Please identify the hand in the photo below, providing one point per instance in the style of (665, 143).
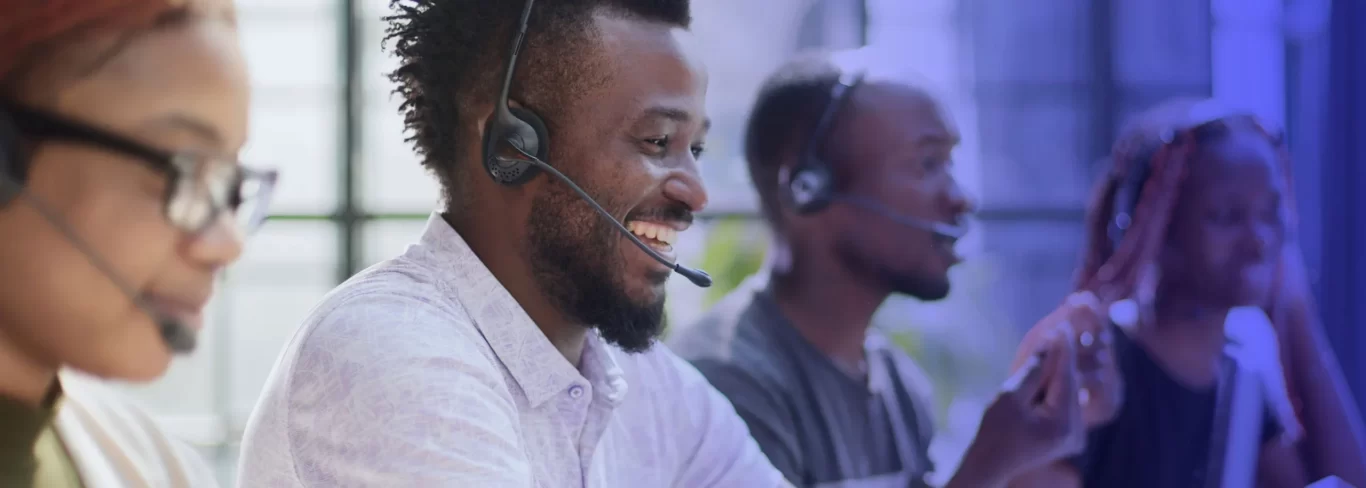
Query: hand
(1102, 388)
(1037, 418)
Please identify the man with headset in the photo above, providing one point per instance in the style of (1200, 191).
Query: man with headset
(511, 346)
(854, 178)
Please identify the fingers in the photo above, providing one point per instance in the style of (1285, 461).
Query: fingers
(1084, 300)
(1035, 341)
(1145, 293)
(1062, 389)
(1094, 338)
(1027, 378)
(1082, 309)
(1092, 382)
(1077, 337)
(1064, 397)
(1093, 358)
(1083, 312)
(1126, 315)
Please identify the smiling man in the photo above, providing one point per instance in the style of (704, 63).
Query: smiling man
(511, 346)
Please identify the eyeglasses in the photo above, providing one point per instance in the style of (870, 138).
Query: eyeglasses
(200, 186)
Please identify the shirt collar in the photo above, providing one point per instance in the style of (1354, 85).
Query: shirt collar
(876, 377)
(534, 363)
(600, 367)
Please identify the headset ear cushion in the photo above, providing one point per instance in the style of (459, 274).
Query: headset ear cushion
(527, 132)
(809, 189)
(538, 128)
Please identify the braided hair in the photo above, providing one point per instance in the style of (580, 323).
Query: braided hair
(1130, 215)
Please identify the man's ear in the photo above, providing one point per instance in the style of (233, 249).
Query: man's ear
(474, 117)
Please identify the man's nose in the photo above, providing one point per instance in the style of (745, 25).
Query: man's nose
(686, 187)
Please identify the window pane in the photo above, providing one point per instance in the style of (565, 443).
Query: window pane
(287, 268)
(386, 239)
(392, 180)
(297, 132)
(1036, 147)
(374, 8)
(735, 76)
(276, 6)
(376, 61)
(1043, 42)
(1037, 262)
(294, 48)
(1162, 42)
(1248, 56)
(292, 52)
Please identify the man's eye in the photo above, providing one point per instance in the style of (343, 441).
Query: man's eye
(697, 152)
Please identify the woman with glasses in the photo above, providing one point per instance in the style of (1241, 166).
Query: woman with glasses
(121, 198)
(1191, 239)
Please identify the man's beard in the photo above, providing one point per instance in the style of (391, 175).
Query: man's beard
(921, 285)
(576, 261)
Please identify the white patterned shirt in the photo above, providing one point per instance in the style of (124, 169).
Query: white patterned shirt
(423, 371)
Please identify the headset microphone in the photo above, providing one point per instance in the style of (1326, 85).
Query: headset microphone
(179, 337)
(696, 276)
(947, 231)
(525, 132)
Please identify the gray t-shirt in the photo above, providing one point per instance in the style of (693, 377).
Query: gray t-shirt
(819, 425)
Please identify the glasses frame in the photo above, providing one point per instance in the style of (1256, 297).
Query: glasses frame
(177, 166)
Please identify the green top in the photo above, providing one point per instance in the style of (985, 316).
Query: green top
(31, 453)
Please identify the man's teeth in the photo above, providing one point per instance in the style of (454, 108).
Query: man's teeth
(654, 231)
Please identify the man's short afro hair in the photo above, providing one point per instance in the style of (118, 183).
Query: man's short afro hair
(452, 54)
(783, 119)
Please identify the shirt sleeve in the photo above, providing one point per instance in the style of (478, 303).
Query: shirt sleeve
(385, 392)
(771, 426)
(718, 447)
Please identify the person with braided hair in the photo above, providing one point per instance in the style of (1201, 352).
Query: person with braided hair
(1196, 220)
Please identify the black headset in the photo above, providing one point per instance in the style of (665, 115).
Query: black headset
(811, 187)
(519, 127)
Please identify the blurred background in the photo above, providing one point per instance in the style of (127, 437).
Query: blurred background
(1038, 89)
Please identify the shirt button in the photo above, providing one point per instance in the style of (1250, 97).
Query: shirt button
(575, 392)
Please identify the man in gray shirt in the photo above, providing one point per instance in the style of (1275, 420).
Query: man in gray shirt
(854, 178)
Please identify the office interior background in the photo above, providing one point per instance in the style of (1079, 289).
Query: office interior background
(1037, 88)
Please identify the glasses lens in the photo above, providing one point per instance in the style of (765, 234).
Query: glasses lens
(253, 200)
(205, 188)
(192, 203)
